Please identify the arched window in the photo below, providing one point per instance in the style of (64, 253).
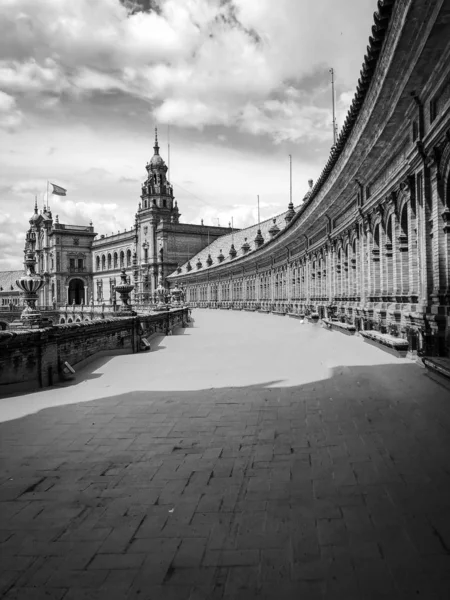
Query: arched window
(103, 262)
(115, 260)
(122, 259)
(97, 263)
(128, 258)
(109, 261)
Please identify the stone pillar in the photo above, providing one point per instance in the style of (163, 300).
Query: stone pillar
(376, 243)
(413, 254)
(346, 274)
(369, 263)
(389, 269)
(332, 270)
(361, 264)
(339, 261)
(403, 247)
(437, 234)
(383, 262)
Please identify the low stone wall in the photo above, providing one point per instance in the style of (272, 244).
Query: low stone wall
(8, 316)
(31, 359)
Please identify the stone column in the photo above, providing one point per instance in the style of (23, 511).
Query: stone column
(437, 234)
(403, 246)
(332, 270)
(361, 264)
(389, 265)
(383, 261)
(376, 244)
(369, 264)
(413, 254)
(346, 273)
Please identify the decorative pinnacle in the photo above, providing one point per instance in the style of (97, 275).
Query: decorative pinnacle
(35, 205)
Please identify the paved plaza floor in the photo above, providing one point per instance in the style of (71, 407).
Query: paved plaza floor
(247, 456)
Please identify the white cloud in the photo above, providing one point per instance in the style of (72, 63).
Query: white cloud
(30, 76)
(243, 83)
(10, 116)
(205, 62)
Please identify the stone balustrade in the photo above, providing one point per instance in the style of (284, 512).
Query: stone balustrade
(35, 358)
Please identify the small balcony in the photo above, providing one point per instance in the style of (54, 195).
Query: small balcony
(74, 269)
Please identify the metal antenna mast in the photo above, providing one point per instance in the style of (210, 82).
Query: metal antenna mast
(168, 152)
(334, 107)
(290, 178)
(258, 211)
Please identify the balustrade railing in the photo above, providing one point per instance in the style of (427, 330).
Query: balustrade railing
(73, 269)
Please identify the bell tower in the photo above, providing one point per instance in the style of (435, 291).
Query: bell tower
(157, 192)
(157, 207)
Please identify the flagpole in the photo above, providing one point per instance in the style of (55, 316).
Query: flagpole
(258, 210)
(47, 193)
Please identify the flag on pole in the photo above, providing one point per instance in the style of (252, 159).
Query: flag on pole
(58, 190)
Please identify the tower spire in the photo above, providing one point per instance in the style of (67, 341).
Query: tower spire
(156, 147)
(35, 204)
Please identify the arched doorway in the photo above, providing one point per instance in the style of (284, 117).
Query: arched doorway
(76, 291)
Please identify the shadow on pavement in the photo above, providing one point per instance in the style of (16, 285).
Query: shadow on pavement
(337, 488)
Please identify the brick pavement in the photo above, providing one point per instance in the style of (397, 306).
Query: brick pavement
(294, 486)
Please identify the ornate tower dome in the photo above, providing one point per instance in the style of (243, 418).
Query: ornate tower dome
(156, 163)
(35, 216)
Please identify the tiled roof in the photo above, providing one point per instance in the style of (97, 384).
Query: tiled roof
(8, 279)
(238, 238)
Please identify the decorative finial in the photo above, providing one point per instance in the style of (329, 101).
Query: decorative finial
(35, 205)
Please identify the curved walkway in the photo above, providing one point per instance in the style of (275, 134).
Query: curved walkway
(247, 456)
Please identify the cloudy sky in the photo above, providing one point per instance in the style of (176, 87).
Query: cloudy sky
(242, 83)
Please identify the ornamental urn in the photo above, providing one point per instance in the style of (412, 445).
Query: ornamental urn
(30, 283)
(176, 295)
(124, 288)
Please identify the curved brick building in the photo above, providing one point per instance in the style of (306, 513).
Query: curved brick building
(370, 246)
